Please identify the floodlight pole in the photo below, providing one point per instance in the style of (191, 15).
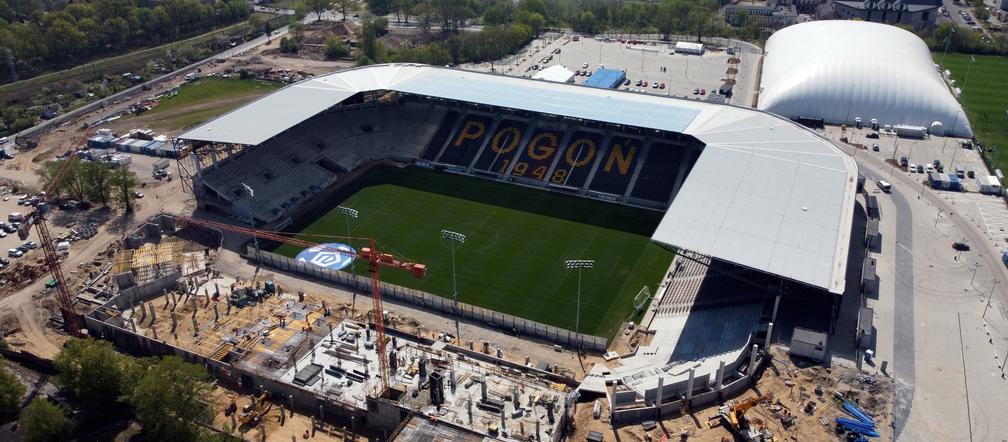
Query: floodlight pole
(454, 237)
(989, 297)
(255, 239)
(579, 265)
(351, 213)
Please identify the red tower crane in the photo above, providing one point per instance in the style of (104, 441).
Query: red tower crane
(37, 218)
(376, 260)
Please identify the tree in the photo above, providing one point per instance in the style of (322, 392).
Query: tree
(94, 373)
(318, 7)
(124, 183)
(343, 5)
(334, 48)
(255, 24)
(170, 400)
(43, 421)
(97, 175)
(11, 391)
(425, 14)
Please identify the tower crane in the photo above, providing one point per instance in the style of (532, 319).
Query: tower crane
(376, 260)
(37, 218)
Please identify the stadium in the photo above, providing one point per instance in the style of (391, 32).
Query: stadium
(715, 211)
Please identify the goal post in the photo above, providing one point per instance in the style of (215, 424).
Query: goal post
(642, 298)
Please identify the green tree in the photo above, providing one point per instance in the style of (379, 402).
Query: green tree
(255, 25)
(124, 184)
(344, 5)
(11, 391)
(96, 176)
(334, 48)
(170, 400)
(94, 373)
(318, 7)
(425, 14)
(43, 421)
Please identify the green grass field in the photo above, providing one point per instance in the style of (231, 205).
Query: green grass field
(209, 98)
(517, 240)
(984, 97)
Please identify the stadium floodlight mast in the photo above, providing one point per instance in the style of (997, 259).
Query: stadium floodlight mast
(579, 265)
(453, 238)
(350, 213)
(255, 239)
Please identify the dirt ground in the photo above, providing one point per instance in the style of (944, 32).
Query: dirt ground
(793, 385)
(271, 427)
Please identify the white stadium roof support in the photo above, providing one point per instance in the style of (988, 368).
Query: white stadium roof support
(839, 70)
(765, 193)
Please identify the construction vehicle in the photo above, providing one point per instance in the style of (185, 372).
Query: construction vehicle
(732, 415)
(376, 260)
(71, 320)
(257, 407)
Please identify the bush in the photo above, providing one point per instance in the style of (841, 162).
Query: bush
(10, 393)
(289, 45)
(334, 48)
(44, 421)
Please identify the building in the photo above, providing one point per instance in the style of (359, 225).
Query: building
(915, 13)
(606, 78)
(802, 6)
(556, 74)
(875, 72)
(766, 15)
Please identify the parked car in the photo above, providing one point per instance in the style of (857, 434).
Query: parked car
(920, 168)
(872, 135)
(884, 186)
(587, 73)
(960, 246)
(875, 147)
(584, 65)
(30, 245)
(929, 168)
(15, 217)
(703, 91)
(912, 168)
(696, 91)
(661, 86)
(626, 82)
(138, 194)
(903, 161)
(15, 253)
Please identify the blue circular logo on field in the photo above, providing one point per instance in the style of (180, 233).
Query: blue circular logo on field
(333, 256)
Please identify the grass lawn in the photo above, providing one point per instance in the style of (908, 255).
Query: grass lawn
(209, 97)
(984, 97)
(517, 240)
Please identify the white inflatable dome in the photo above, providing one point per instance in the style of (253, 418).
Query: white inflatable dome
(840, 70)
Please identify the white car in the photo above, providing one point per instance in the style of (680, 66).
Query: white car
(929, 168)
(15, 253)
(912, 168)
(584, 65)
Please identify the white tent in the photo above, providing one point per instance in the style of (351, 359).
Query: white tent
(685, 47)
(839, 70)
(556, 73)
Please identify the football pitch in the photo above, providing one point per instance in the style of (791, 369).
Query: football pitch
(984, 97)
(517, 239)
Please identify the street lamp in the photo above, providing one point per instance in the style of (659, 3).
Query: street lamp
(453, 238)
(579, 264)
(255, 239)
(350, 213)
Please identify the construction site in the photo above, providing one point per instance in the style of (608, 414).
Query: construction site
(294, 350)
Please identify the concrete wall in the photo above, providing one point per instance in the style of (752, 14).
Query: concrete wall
(134, 295)
(437, 303)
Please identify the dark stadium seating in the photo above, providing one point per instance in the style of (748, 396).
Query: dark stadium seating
(503, 145)
(616, 168)
(466, 141)
(441, 136)
(658, 176)
(537, 156)
(576, 160)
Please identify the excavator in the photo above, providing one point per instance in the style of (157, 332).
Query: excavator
(732, 415)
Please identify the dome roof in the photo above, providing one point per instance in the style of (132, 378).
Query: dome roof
(838, 70)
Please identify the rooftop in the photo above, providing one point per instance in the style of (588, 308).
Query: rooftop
(765, 193)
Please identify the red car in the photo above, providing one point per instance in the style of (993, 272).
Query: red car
(661, 86)
(703, 91)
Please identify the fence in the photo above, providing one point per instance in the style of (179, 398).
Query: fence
(437, 303)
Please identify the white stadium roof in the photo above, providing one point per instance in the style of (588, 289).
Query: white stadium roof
(765, 193)
(839, 70)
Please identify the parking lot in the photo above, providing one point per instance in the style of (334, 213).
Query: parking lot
(651, 62)
(988, 212)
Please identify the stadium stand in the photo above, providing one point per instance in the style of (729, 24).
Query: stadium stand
(465, 143)
(288, 169)
(617, 167)
(536, 157)
(441, 136)
(576, 161)
(500, 150)
(657, 180)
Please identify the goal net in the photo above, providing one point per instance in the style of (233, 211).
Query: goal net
(642, 298)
